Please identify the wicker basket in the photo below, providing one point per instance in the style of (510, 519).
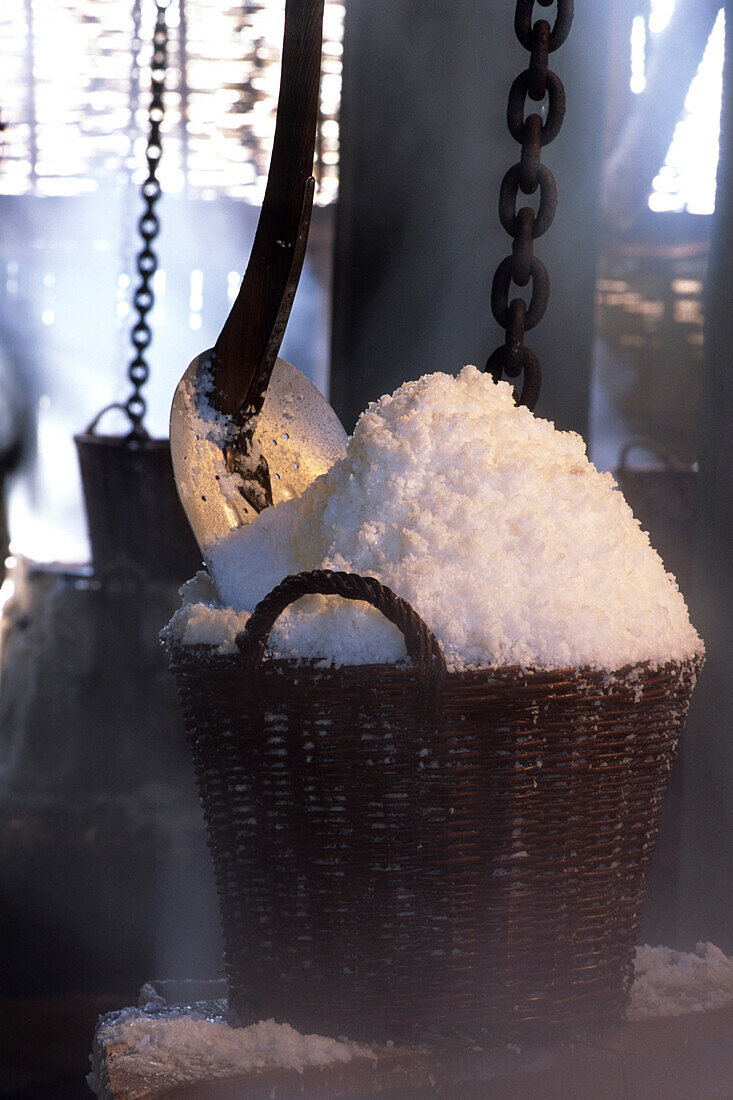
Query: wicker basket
(405, 853)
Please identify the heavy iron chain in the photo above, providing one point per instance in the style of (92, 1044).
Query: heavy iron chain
(522, 266)
(148, 228)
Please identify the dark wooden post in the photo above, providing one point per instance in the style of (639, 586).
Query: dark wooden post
(707, 873)
(424, 147)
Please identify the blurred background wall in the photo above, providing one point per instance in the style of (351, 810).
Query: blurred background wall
(418, 233)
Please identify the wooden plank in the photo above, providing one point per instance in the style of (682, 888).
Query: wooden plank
(394, 1071)
(657, 1054)
(128, 1076)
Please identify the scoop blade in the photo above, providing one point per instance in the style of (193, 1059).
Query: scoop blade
(295, 438)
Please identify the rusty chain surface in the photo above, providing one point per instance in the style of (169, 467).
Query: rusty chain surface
(537, 83)
(148, 227)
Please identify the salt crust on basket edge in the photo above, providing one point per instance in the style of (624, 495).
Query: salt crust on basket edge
(494, 526)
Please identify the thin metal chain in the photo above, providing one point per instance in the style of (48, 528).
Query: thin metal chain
(148, 227)
(183, 89)
(537, 82)
(129, 206)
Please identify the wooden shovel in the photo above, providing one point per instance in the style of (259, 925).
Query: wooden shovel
(247, 429)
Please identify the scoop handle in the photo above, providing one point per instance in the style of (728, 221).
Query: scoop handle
(421, 643)
(247, 347)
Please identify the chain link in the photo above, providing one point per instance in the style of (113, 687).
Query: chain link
(525, 225)
(148, 228)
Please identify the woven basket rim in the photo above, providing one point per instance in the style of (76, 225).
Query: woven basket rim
(207, 654)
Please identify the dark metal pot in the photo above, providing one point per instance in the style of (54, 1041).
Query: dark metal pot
(134, 516)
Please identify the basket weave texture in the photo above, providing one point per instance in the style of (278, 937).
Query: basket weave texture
(390, 870)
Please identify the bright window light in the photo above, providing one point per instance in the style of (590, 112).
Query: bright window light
(660, 14)
(638, 55)
(76, 89)
(686, 180)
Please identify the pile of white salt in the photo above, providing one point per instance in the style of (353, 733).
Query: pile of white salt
(495, 526)
(673, 983)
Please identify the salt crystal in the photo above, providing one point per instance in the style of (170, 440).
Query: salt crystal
(495, 526)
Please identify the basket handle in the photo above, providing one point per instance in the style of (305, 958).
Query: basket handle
(91, 428)
(421, 643)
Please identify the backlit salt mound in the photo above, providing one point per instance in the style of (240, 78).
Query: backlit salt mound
(492, 524)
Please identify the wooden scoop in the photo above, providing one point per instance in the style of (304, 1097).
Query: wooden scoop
(247, 429)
